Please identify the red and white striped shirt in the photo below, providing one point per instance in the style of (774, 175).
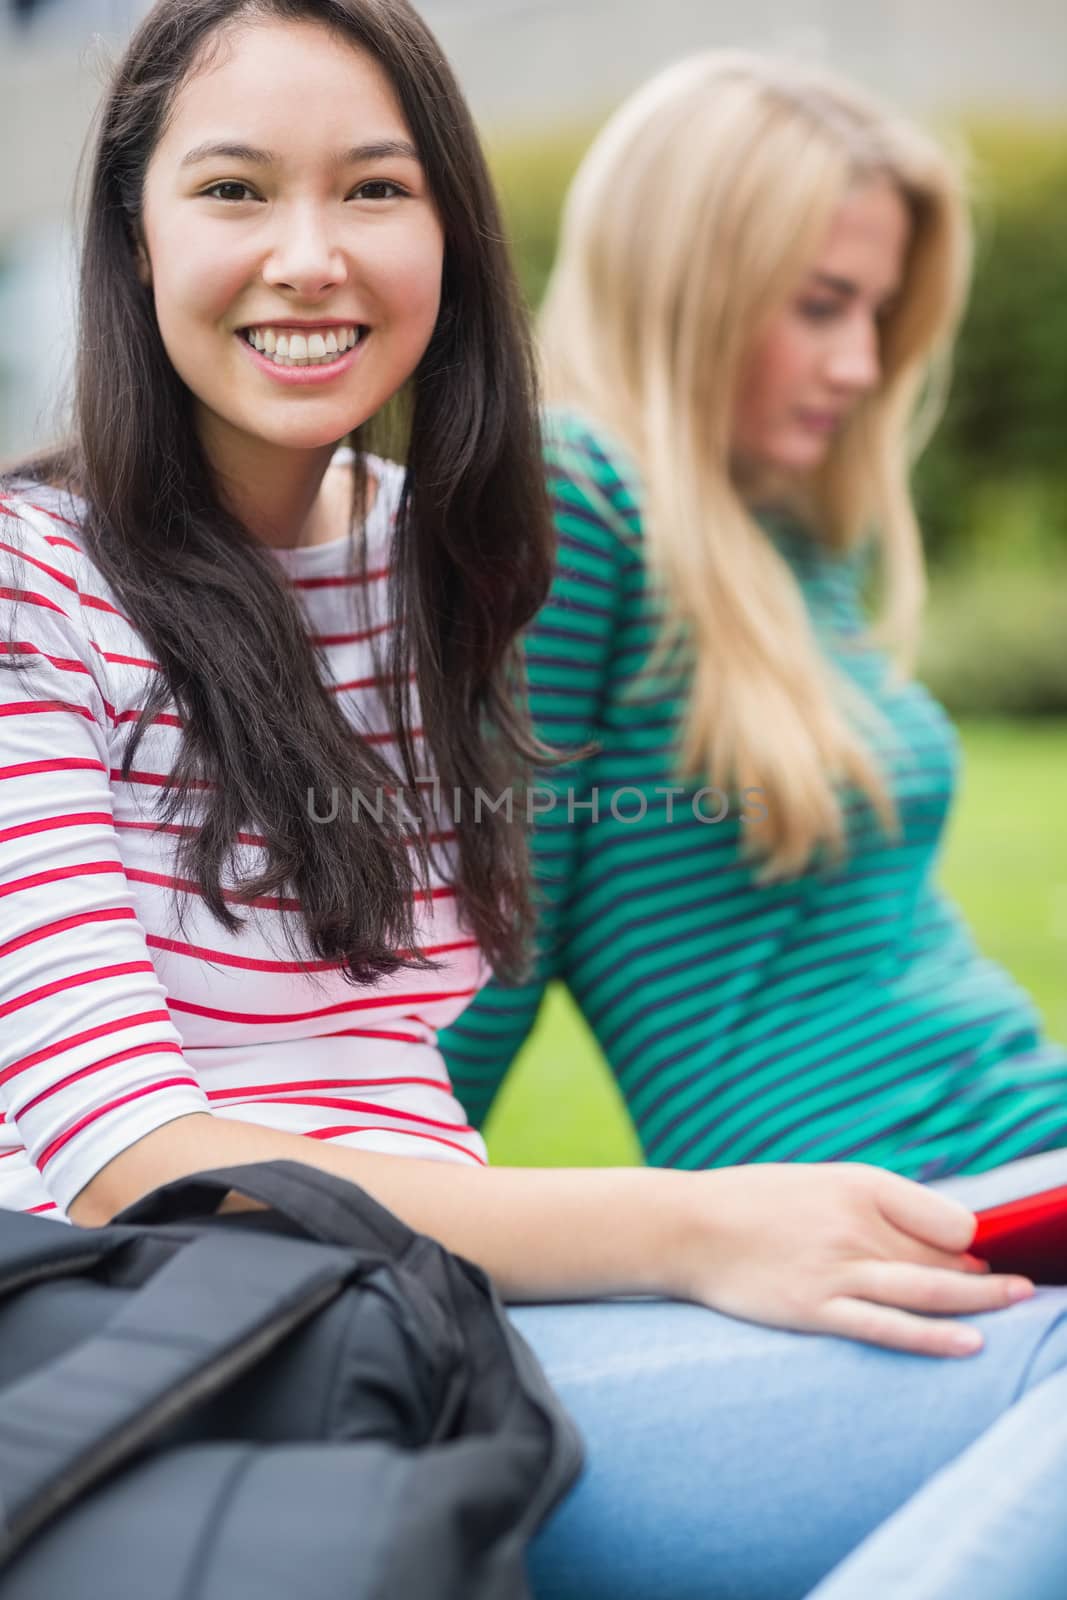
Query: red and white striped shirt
(113, 1021)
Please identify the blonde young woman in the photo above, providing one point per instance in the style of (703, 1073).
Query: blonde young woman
(759, 275)
(744, 337)
(289, 225)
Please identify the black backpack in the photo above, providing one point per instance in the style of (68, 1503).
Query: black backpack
(307, 1403)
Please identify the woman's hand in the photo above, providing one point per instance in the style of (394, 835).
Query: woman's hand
(840, 1248)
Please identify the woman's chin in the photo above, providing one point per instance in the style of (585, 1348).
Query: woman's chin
(791, 456)
(805, 454)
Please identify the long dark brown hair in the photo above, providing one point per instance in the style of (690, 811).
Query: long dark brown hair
(473, 536)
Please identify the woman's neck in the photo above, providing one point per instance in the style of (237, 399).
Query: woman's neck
(289, 499)
(777, 495)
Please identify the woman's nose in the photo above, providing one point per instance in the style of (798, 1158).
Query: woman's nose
(305, 257)
(855, 361)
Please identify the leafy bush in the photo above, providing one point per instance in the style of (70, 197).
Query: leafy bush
(1006, 414)
(995, 640)
(532, 176)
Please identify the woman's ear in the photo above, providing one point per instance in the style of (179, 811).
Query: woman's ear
(142, 264)
(144, 269)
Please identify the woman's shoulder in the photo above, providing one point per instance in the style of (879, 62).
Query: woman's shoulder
(55, 603)
(41, 534)
(572, 434)
(588, 466)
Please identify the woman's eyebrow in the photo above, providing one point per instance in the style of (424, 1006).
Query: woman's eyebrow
(378, 150)
(828, 280)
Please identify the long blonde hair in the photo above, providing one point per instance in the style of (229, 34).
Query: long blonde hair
(693, 217)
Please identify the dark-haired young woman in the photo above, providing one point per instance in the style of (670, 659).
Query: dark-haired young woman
(235, 912)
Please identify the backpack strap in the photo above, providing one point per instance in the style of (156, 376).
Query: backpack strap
(326, 1207)
(214, 1310)
(35, 1248)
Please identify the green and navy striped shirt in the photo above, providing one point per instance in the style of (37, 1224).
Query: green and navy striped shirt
(842, 1014)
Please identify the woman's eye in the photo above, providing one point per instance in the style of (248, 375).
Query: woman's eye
(379, 184)
(228, 183)
(818, 310)
(373, 189)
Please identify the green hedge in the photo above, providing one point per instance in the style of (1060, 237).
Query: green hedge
(992, 486)
(995, 641)
(532, 175)
(1005, 421)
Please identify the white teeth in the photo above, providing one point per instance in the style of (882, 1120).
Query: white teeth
(299, 350)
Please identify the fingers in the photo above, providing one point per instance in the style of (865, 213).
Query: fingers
(883, 1294)
(897, 1246)
(898, 1330)
(924, 1214)
(931, 1289)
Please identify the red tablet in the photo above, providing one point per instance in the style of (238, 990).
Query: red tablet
(1027, 1236)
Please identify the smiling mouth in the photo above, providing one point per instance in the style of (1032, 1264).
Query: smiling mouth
(313, 349)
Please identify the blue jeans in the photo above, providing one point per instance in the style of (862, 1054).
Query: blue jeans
(731, 1461)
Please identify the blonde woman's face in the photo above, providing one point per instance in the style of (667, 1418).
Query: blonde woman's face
(818, 356)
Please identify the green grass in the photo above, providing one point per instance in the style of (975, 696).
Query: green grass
(1005, 864)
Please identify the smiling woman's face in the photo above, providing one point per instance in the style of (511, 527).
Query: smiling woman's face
(320, 213)
(821, 353)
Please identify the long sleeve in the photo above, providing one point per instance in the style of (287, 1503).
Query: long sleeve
(90, 1060)
(124, 1003)
(569, 650)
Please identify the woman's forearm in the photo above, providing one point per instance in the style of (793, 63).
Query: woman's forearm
(843, 1249)
(541, 1233)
